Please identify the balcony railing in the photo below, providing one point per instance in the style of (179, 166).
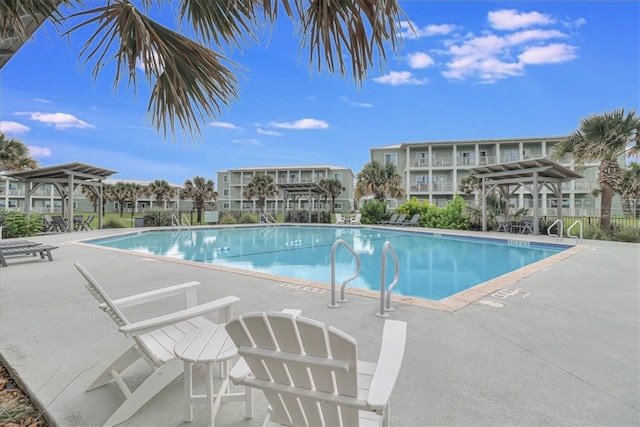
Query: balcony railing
(443, 186)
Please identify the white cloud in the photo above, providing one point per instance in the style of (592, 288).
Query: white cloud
(58, 120)
(301, 124)
(36, 151)
(396, 78)
(249, 141)
(550, 54)
(356, 104)
(533, 35)
(420, 60)
(9, 127)
(511, 19)
(225, 125)
(268, 132)
(409, 30)
(42, 100)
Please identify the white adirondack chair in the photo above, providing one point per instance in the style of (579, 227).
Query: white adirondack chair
(310, 373)
(339, 219)
(154, 339)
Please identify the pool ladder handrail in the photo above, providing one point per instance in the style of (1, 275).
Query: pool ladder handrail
(179, 224)
(578, 238)
(560, 230)
(269, 220)
(385, 295)
(337, 243)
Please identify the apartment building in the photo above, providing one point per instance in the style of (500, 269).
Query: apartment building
(232, 182)
(433, 171)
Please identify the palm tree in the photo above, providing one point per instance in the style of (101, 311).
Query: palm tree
(161, 189)
(133, 191)
(604, 138)
(119, 192)
(91, 195)
(261, 187)
(629, 189)
(332, 188)
(14, 155)
(378, 180)
(191, 82)
(200, 191)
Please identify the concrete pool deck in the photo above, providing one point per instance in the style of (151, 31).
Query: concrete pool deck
(559, 346)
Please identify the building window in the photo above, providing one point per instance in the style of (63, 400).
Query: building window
(337, 176)
(225, 178)
(225, 192)
(391, 158)
(337, 206)
(422, 159)
(225, 206)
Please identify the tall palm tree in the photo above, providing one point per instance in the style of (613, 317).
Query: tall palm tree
(333, 188)
(201, 191)
(604, 138)
(133, 191)
(119, 192)
(379, 181)
(91, 195)
(15, 155)
(161, 189)
(261, 187)
(191, 82)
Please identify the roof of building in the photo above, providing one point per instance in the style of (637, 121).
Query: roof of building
(524, 170)
(282, 168)
(63, 171)
(470, 141)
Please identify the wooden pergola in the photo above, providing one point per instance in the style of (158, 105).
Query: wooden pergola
(65, 178)
(533, 175)
(301, 190)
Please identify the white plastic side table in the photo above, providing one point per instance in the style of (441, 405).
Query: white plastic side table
(209, 346)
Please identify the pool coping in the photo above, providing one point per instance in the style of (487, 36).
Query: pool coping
(451, 303)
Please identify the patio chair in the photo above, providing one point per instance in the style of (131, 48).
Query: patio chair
(78, 220)
(310, 373)
(153, 339)
(399, 220)
(356, 219)
(59, 224)
(413, 222)
(47, 223)
(390, 220)
(502, 224)
(339, 219)
(86, 224)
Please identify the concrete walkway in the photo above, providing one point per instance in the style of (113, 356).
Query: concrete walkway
(564, 350)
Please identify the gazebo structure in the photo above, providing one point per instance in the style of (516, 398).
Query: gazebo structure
(531, 174)
(295, 191)
(65, 178)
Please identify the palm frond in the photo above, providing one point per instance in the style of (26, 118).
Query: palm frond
(13, 12)
(191, 81)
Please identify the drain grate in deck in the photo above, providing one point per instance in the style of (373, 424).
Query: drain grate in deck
(510, 291)
(303, 288)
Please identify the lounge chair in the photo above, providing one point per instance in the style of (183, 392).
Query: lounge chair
(32, 249)
(399, 220)
(154, 339)
(310, 373)
(339, 219)
(413, 222)
(390, 220)
(8, 244)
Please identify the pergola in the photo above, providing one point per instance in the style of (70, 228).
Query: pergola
(295, 191)
(531, 174)
(65, 178)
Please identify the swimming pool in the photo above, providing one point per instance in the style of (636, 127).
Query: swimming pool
(432, 266)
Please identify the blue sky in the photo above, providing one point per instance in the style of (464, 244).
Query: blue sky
(471, 70)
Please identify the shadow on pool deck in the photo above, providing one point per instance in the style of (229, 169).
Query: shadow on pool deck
(560, 347)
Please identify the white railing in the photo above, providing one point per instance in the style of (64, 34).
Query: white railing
(333, 303)
(560, 230)
(578, 238)
(385, 292)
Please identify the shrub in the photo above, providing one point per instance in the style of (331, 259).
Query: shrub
(19, 224)
(247, 218)
(626, 235)
(114, 222)
(373, 212)
(157, 218)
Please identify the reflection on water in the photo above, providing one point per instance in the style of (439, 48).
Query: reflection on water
(430, 267)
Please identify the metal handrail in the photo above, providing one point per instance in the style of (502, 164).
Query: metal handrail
(578, 238)
(175, 222)
(185, 222)
(560, 228)
(385, 296)
(333, 303)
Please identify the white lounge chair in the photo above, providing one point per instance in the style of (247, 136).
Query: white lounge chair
(310, 373)
(154, 339)
(339, 219)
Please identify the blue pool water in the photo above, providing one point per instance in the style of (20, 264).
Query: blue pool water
(432, 266)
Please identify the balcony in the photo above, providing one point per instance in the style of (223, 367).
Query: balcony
(487, 160)
(435, 187)
(585, 185)
(442, 162)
